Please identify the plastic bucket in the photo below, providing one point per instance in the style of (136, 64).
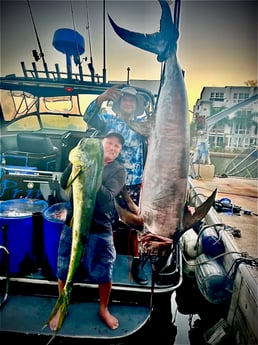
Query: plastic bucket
(54, 218)
(16, 232)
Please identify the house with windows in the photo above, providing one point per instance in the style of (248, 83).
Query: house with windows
(228, 116)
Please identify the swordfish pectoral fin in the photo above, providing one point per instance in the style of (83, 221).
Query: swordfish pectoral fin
(127, 209)
(200, 212)
(128, 217)
(124, 197)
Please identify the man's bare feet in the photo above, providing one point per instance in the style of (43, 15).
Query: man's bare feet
(54, 322)
(109, 319)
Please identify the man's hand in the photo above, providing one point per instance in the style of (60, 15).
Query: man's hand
(110, 94)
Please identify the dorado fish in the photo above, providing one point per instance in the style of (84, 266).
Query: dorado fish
(85, 179)
(162, 204)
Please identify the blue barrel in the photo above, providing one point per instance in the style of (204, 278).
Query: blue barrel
(54, 218)
(16, 232)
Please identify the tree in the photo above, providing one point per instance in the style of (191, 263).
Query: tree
(251, 83)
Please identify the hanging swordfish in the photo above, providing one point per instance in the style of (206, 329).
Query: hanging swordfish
(162, 205)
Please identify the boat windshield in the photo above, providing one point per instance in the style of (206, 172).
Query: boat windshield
(23, 111)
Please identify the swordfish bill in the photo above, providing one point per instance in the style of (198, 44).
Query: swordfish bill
(164, 186)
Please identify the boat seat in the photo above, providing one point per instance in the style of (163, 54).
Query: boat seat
(33, 150)
(35, 143)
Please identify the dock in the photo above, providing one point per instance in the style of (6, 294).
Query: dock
(243, 311)
(243, 193)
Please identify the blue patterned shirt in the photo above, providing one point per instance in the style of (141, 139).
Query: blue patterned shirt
(132, 154)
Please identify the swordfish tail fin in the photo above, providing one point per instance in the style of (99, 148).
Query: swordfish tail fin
(162, 43)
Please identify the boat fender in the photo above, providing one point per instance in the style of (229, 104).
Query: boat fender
(211, 279)
(189, 268)
(211, 243)
(188, 242)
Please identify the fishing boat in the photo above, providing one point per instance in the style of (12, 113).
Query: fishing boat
(41, 121)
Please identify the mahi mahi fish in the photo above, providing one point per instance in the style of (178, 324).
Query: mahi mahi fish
(85, 179)
(162, 205)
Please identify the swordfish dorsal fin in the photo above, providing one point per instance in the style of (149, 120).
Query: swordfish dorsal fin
(162, 43)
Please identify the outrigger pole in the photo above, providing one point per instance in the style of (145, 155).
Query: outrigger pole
(104, 42)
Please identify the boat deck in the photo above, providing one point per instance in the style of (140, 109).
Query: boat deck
(243, 193)
(130, 302)
(82, 318)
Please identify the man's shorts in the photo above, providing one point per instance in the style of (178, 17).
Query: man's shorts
(98, 260)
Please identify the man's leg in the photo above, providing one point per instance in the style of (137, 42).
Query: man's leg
(104, 294)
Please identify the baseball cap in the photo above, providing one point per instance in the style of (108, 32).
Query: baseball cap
(117, 135)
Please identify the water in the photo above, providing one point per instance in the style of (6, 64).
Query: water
(183, 320)
(183, 323)
(220, 164)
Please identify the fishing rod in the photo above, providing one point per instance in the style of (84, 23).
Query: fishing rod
(34, 52)
(90, 64)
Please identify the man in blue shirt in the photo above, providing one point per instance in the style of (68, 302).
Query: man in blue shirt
(127, 103)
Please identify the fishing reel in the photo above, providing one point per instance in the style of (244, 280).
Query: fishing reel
(224, 205)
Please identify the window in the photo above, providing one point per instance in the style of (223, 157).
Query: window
(217, 96)
(241, 96)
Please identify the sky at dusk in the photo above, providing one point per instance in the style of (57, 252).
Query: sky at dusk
(217, 45)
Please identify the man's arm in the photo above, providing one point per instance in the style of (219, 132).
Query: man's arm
(112, 186)
(92, 113)
(91, 116)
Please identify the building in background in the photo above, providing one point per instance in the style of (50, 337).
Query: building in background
(227, 116)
